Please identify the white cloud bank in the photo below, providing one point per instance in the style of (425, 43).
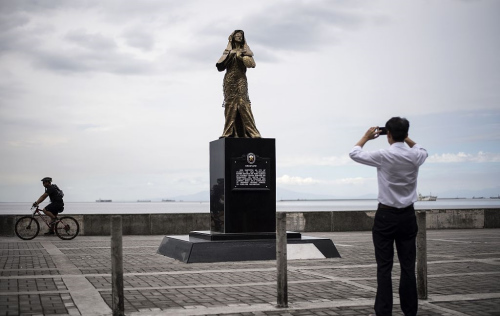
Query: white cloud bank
(480, 157)
(332, 161)
(290, 180)
(286, 179)
(337, 161)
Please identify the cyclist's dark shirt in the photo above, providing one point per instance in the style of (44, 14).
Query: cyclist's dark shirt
(54, 194)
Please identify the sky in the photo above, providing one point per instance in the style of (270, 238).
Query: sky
(120, 99)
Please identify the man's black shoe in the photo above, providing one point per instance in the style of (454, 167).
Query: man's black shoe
(50, 232)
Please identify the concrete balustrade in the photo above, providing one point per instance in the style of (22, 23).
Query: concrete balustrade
(337, 221)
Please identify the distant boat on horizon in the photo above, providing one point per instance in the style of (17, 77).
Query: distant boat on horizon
(143, 200)
(427, 197)
(495, 197)
(478, 197)
(167, 200)
(102, 201)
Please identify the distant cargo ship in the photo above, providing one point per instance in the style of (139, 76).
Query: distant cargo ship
(143, 200)
(495, 197)
(427, 197)
(101, 201)
(167, 200)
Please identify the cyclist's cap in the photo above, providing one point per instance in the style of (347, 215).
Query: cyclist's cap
(47, 179)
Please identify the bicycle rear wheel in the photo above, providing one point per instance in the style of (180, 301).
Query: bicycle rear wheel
(67, 228)
(27, 227)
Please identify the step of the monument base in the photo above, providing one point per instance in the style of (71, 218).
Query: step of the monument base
(210, 235)
(193, 250)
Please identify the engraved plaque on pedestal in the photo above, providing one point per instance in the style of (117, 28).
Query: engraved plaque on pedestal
(250, 172)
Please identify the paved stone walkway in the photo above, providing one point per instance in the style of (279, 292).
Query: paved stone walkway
(48, 276)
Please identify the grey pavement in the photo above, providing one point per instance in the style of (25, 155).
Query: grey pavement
(48, 276)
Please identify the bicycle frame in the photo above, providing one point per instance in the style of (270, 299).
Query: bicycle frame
(41, 214)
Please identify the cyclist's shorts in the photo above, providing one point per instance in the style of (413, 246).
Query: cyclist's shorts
(55, 208)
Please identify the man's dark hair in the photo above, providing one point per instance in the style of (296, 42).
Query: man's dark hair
(398, 127)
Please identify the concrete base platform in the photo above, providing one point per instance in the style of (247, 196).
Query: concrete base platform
(197, 247)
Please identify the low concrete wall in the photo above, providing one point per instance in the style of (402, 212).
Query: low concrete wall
(339, 221)
(148, 224)
(440, 219)
(133, 224)
(492, 218)
(363, 220)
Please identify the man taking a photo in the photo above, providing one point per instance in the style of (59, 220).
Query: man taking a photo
(395, 220)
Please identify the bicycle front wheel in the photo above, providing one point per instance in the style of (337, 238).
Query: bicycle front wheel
(67, 228)
(27, 227)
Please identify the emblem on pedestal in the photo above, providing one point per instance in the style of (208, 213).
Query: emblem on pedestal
(251, 158)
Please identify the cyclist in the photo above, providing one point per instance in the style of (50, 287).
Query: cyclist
(56, 205)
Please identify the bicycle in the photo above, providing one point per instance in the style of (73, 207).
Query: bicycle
(27, 227)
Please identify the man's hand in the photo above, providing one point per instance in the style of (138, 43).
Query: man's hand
(409, 142)
(35, 204)
(371, 133)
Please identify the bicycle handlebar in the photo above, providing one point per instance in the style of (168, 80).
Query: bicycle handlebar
(35, 209)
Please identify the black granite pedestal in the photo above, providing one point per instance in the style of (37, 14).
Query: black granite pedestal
(242, 208)
(243, 185)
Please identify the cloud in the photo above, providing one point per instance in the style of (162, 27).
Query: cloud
(91, 41)
(39, 141)
(290, 180)
(286, 179)
(16, 37)
(342, 160)
(274, 29)
(480, 157)
(354, 181)
(9, 7)
(332, 161)
(94, 128)
(140, 39)
(12, 22)
(52, 44)
(75, 61)
(97, 36)
(304, 26)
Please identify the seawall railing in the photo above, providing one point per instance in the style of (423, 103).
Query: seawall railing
(335, 221)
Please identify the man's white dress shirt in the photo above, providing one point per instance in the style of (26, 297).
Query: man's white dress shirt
(397, 171)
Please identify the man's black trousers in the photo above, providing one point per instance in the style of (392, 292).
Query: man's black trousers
(399, 226)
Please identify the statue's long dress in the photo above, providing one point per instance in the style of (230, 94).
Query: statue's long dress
(238, 111)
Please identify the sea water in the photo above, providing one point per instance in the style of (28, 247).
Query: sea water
(204, 207)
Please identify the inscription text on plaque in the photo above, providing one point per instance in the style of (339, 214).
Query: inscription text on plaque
(250, 176)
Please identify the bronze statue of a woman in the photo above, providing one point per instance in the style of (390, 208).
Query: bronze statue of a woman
(237, 57)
